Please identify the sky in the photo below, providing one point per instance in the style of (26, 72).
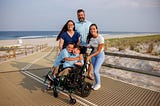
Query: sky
(51, 15)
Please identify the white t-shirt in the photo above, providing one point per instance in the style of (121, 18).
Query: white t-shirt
(94, 42)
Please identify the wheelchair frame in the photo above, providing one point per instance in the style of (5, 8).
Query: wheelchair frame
(74, 81)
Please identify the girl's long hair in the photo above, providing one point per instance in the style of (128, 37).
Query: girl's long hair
(64, 29)
(89, 34)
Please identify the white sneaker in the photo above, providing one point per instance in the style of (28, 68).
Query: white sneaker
(96, 87)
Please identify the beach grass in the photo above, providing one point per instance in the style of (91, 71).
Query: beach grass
(4, 48)
(150, 43)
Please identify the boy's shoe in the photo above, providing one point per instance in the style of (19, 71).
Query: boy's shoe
(96, 87)
(53, 77)
(48, 87)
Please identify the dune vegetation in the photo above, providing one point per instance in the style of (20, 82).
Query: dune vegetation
(143, 44)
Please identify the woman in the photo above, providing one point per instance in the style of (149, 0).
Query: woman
(68, 34)
(97, 56)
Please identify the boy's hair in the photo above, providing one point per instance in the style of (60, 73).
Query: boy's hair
(79, 48)
(71, 43)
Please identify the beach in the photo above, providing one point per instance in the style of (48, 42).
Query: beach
(36, 41)
(137, 79)
(52, 41)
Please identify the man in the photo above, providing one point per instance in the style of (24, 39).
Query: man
(82, 27)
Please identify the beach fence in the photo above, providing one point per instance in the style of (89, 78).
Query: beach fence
(14, 51)
(138, 64)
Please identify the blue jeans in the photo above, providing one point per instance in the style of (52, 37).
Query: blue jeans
(97, 62)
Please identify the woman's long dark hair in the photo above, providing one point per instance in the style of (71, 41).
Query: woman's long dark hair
(64, 29)
(89, 34)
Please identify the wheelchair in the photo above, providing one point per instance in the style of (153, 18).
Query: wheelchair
(73, 82)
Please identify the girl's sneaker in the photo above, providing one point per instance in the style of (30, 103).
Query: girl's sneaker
(96, 87)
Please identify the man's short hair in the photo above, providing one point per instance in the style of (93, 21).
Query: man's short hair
(80, 10)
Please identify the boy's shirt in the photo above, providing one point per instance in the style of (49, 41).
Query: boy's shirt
(63, 54)
(71, 63)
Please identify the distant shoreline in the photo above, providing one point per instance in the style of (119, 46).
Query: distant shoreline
(51, 41)
(13, 35)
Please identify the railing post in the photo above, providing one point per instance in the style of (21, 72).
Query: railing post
(25, 50)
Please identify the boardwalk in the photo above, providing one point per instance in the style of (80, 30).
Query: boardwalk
(26, 88)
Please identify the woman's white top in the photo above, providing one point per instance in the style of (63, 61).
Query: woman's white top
(94, 42)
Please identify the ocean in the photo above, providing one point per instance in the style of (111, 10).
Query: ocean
(10, 35)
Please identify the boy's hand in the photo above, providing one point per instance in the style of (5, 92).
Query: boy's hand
(80, 57)
(78, 63)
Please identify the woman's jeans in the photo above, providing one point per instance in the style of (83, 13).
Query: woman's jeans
(97, 62)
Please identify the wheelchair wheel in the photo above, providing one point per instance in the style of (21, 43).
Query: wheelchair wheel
(72, 101)
(86, 89)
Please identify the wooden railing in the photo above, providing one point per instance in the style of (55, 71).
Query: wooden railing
(153, 73)
(133, 56)
(22, 50)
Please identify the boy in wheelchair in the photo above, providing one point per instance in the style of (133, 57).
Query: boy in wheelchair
(74, 60)
(66, 60)
(69, 74)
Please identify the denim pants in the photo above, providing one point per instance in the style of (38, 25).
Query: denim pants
(97, 62)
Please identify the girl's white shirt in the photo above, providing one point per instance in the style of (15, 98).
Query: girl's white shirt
(94, 42)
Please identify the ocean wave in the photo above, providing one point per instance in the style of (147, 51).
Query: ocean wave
(32, 37)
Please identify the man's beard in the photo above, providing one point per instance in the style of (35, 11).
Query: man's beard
(81, 19)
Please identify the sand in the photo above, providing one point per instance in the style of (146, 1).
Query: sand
(38, 41)
(52, 41)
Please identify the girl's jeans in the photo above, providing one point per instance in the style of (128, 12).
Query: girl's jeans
(97, 62)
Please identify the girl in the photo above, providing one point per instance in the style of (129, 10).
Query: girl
(68, 34)
(97, 56)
